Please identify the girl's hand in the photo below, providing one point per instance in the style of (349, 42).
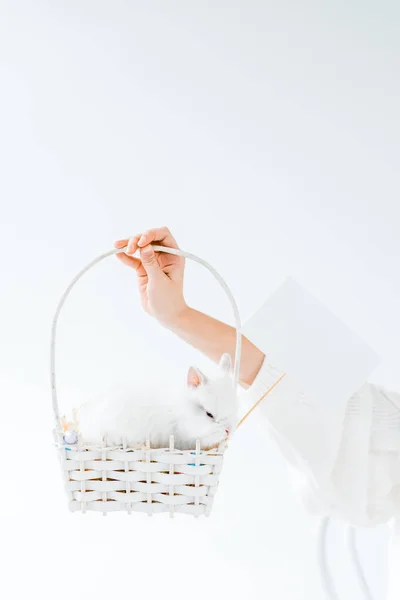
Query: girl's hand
(159, 275)
(160, 280)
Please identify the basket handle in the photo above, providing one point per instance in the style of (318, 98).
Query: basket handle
(176, 251)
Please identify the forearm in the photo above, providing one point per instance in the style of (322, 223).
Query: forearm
(213, 338)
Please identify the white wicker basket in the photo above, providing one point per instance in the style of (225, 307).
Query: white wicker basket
(148, 480)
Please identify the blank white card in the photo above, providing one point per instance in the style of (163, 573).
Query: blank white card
(300, 336)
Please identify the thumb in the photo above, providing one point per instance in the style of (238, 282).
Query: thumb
(150, 262)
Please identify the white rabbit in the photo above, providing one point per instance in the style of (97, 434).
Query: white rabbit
(206, 409)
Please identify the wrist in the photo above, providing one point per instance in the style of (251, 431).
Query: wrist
(179, 320)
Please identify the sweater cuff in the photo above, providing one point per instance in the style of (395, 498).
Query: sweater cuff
(265, 379)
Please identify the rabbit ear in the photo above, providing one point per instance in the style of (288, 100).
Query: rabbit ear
(226, 363)
(195, 377)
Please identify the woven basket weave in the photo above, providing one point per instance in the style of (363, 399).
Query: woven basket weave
(103, 478)
(150, 480)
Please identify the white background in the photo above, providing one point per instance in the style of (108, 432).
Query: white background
(266, 136)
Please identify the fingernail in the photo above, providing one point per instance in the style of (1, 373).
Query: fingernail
(142, 239)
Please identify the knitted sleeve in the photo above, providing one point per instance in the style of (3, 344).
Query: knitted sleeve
(345, 465)
(304, 429)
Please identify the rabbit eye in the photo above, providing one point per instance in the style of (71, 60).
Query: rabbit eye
(209, 415)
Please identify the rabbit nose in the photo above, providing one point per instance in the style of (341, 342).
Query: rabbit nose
(227, 431)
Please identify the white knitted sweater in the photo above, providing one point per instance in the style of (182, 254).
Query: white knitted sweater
(346, 466)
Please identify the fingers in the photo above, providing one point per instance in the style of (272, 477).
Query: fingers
(129, 261)
(162, 236)
(121, 243)
(150, 263)
(131, 244)
(148, 258)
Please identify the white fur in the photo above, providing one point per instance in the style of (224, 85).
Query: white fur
(162, 413)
